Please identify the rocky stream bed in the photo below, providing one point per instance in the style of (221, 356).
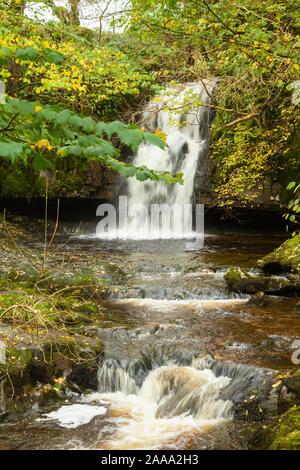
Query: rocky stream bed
(145, 344)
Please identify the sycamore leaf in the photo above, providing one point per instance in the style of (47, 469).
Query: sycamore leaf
(88, 124)
(131, 137)
(71, 150)
(100, 128)
(114, 127)
(41, 163)
(53, 56)
(76, 121)
(63, 117)
(153, 139)
(26, 54)
(127, 170)
(143, 174)
(5, 52)
(11, 150)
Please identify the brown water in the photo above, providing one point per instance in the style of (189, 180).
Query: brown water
(173, 300)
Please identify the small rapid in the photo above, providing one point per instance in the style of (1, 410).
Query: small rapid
(159, 399)
(172, 403)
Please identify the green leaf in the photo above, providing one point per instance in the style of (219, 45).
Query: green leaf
(76, 121)
(23, 107)
(11, 150)
(41, 163)
(5, 52)
(153, 139)
(114, 127)
(53, 56)
(71, 150)
(127, 170)
(88, 124)
(63, 117)
(131, 137)
(145, 174)
(100, 128)
(26, 54)
(49, 114)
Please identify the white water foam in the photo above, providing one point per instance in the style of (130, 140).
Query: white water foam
(72, 416)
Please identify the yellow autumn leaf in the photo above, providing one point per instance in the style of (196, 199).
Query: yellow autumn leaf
(60, 380)
(43, 143)
(159, 133)
(276, 384)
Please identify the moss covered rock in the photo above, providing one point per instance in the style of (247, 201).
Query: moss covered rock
(284, 434)
(44, 372)
(241, 281)
(285, 258)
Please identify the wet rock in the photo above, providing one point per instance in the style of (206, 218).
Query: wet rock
(257, 299)
(241, 281)
(83, 377)
(249, 390)
(267, 344)
(115, 273)
(283, 432)
(260, 299)
(285, 258)
(289, 393)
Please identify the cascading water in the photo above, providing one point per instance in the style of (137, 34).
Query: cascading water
(187, 142)
(173, 401)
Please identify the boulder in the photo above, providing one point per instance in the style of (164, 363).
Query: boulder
(285, 258)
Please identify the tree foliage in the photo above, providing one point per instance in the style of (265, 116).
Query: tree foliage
(39, 72)
(252, 47)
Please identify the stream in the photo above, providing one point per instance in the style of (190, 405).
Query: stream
(183, 356)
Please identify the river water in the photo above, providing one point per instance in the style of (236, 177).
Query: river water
(183, 356)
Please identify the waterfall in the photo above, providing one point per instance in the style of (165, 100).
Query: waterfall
(187, 133)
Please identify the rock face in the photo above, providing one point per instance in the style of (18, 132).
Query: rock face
(285, 258)
(241, 281)
(100, 182)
